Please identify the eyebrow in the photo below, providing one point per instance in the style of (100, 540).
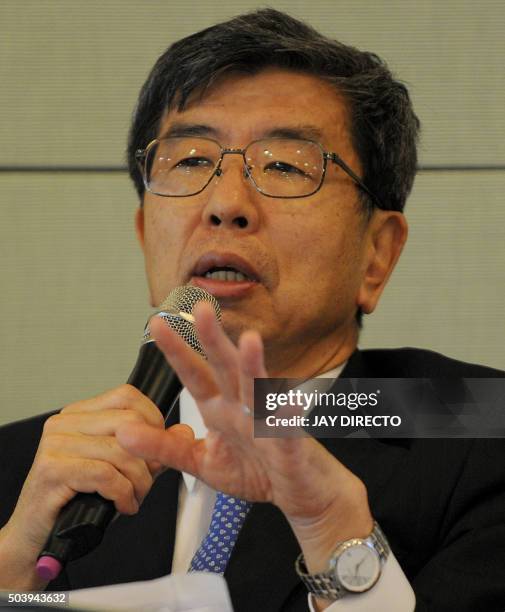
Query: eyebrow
(178, 130)
(304, 132)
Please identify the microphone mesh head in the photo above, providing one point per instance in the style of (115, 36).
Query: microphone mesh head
(177, 311)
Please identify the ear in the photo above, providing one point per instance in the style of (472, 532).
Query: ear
(139, 225)
(387, 233)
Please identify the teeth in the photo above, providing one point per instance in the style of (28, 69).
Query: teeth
(226, 275)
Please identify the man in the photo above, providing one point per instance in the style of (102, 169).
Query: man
(272, 167)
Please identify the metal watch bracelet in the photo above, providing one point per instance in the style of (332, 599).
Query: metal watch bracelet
(326, 585)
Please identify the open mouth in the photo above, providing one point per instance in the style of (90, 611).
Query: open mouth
(226, 273)
(225, 268)
(227, 276)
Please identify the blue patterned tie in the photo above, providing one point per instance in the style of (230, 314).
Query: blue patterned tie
(228, 516)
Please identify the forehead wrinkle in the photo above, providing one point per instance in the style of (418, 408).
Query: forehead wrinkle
(181, 129)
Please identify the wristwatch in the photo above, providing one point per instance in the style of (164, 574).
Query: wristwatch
(354, 567)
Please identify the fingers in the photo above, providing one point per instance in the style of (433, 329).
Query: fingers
(234, 368)
(191, 369)
(101, 477)
(78, 452)
(125, 397)
(226, 370)
(252, 364)
(222, 354)
(123, 404)
(222, 385)
(104, 449)
(175, 447)
(63, 476)
(104, 423)
(86, 431)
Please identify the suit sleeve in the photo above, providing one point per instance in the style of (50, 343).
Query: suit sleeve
(467, 573)
(18, 445)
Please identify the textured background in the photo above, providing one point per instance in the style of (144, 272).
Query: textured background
(74, 297)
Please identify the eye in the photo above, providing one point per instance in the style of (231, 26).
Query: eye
(284, 168)
(194, 162)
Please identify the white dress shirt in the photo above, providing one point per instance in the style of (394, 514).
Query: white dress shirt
(392, 593)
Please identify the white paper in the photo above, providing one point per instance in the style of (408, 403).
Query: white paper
(195, 592)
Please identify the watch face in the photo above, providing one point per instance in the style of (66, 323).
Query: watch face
(358, 568)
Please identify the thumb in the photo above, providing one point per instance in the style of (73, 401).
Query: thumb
(173, 447)
(155, 467)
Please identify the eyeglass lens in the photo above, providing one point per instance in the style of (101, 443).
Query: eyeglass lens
(279, 167)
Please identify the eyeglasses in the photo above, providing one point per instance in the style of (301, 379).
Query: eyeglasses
(277, 167)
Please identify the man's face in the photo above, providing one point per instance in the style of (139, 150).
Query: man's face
(306, 255)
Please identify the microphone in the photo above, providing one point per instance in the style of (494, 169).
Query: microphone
(81, 523)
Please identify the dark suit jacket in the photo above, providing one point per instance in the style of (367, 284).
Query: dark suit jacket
(441, 504)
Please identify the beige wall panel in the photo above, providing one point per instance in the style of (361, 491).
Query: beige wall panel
(74, 299)
(70, 70)
(448, 291)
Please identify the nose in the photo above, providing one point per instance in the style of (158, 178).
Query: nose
(231, 198)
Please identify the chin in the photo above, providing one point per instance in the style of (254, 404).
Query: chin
(233, 326)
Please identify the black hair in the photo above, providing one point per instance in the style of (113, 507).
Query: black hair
(384, 127)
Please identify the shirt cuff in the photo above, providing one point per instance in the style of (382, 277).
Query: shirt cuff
(392, 593)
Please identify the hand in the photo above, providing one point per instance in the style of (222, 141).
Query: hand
(323, 501)
(78, 452)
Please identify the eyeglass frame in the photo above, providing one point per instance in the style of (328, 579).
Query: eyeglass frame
(141, 157)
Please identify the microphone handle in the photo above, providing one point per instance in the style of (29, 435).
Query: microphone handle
(81, 524)
(153, 376)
